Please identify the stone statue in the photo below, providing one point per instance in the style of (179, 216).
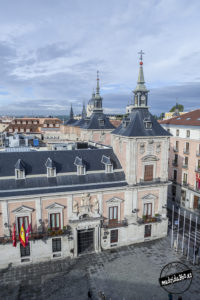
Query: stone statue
(75, 207)
(96, 205)
(85, 201)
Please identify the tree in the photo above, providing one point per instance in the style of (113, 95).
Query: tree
(179, 106)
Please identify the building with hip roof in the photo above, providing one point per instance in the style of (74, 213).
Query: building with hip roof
(92, 197)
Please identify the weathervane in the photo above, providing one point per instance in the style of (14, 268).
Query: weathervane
(141, 53)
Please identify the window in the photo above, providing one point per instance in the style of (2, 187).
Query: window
(187, 148)
(147, 210)
(51, 172)
(25, 251)
(173, 190)
(148, 173)
(176, 158)
(177, 145)
(148, 125)
(186, 161)
(183, 195)
(101, 122)
(113, 214)
(185, 178)
(19, 174)
(80, 170)
(55, 221)
(23, 220)
(109, 168)
(113, 236)
(175, 175)
(56, 245)
(198, 165)
(177, 132)
(188, 133)
(147, 230)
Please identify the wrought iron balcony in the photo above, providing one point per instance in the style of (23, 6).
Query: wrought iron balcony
(185, 166)
(154, 180)
(185, 183)
(186, 151)
(175, 163)
(175, 149)
(197, 169)
(114, 224)
(149, 219)
(198, 153)
(39, 235)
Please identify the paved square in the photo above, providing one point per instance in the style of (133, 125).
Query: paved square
(127, 273)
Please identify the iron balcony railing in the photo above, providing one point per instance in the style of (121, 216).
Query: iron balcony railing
(38, 235)
(149, 219)
(186, 151)
(114, 224)
(198, 153)
(185, 166)
(175, 149)
(175, 163)
(154, 180)
(197, 169)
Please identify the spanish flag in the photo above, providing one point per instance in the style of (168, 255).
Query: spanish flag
(22, 237)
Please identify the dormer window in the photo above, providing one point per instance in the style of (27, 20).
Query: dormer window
(19, 170)
(125, 122)
(101, 122)
(147, 124)
(80, 166)
(108, 164)
(51, 168)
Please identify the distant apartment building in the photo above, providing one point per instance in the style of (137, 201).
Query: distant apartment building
(184, 159)
(33, 125)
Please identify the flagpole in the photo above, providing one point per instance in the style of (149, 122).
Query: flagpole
(172, 233)
(189, 237)
(178, 228)
(183, 230)
(195, 240)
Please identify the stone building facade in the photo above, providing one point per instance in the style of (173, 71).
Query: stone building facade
(94, 197)
(184, 159)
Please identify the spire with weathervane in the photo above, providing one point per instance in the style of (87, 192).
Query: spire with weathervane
(141, 92)
(98, 98)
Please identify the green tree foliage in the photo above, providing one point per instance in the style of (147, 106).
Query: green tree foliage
(180, 108)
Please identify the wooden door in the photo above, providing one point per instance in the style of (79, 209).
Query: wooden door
(148, 173)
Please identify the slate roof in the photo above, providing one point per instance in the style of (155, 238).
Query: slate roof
(34, 162)
(191, 118)
(79, 123)
(136, 125)
(93, 122)
(70, 122)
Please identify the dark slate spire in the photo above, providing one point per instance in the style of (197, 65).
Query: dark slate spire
(176, 112)
(97, 99)
(71, 116)
(84, 114)
(140, 122)
(141, 92)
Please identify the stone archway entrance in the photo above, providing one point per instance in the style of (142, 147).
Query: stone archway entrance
(85, 241)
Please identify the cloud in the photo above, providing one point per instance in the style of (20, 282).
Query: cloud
(51, 53)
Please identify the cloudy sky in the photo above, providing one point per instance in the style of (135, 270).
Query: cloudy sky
(50, 51)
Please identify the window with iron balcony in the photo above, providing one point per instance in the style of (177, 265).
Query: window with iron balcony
(55, 221)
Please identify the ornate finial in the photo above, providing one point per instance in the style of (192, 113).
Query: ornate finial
(141, 53)
(97, 88)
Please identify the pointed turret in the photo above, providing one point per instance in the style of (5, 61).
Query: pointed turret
(98, 99)
(84, 114)
(141, 92)
(71, 116)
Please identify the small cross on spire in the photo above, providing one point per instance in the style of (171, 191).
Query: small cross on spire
(141, 53)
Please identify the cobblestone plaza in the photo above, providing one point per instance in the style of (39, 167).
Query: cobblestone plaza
(125, 273)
